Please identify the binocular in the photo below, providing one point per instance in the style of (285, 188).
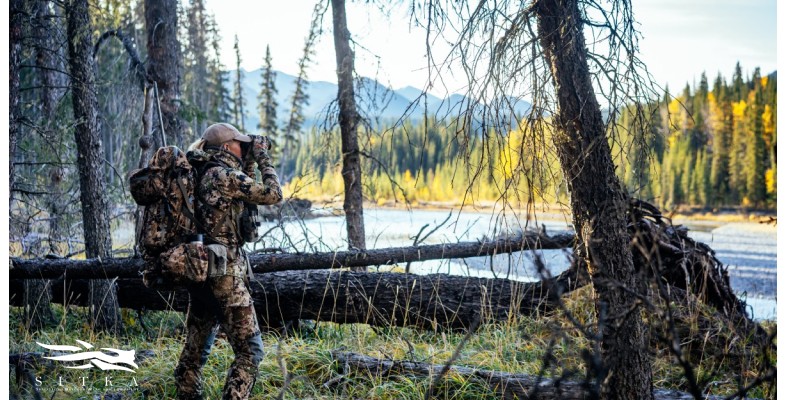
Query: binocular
(256, 140)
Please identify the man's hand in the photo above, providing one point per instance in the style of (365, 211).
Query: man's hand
(259, 145)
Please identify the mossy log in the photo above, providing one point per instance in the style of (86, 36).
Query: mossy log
(505, 384)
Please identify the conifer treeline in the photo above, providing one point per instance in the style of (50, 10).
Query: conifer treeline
(709, 146)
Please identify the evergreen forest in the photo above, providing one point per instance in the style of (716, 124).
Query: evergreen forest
(708, 146)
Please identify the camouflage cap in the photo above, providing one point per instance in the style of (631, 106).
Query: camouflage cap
(222, 132)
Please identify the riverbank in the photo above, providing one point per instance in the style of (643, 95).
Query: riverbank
(556, 211)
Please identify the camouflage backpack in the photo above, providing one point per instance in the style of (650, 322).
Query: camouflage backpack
(166, 189)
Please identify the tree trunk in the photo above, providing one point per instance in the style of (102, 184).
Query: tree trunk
(163, 58)
(37, 299)
(348, 121)
(662, 251)
(430, 302)
(47, 34)
(38, 293)
(146, 142)
(98, 241)
(265, 263)
(48, 57)
(597, 201)
(507, 385)
(36, 296)
(16, 9)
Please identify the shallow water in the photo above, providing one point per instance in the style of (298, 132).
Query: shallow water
(748, 249)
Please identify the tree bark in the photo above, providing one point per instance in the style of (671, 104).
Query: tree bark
(264, 263)
(507, 385)
(663, 252)
(37, 299)
(16, 9)
(163, 58)
(348, 121)
(48, 38)
(598, 202)
(430, 302)
(98, 241)
(48, 57)
(36, 294)
(146, 142)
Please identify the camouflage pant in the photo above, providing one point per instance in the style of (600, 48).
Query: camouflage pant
(225, 300)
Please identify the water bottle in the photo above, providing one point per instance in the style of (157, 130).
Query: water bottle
(195, 239)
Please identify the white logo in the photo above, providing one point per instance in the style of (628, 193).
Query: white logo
(97, 358)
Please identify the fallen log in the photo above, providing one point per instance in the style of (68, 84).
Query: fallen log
(431, 302)
(507, 385)
(673, 259)
(263, 263)
(382, 299)
(661, 250)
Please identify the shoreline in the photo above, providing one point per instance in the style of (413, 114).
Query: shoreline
(561, 212)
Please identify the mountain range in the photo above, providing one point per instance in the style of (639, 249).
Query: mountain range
(378, 103)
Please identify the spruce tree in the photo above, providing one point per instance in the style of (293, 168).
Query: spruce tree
(738, 150)
(238, 93)
(700, 113)
(196, 81)
(719, 139)
(739, 89)
(754, 154)
(299, 102)
(219, 105)
(268, 105)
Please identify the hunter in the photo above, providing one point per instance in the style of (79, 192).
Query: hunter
(226, 184)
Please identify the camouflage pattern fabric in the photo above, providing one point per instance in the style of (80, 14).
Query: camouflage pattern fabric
(165, 188)
(225, 300)
(223, 187)
(184, 263)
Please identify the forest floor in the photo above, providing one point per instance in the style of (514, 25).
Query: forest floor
(300, 365)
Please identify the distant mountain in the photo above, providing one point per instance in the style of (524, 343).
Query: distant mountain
(376, 102)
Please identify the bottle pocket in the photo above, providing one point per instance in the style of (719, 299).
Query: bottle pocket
(185, 263)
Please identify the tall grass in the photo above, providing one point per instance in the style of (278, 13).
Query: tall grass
(547, 344)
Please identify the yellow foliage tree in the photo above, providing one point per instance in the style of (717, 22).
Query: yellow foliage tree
(510, 156)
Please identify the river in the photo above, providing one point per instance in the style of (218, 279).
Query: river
(748, 249)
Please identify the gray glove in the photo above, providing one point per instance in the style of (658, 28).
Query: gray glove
(259, 145)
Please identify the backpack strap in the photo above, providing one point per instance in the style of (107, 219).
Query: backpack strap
(188, 208)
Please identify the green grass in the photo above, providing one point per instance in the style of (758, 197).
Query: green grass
(516, 346)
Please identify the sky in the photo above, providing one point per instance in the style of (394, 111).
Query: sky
(680, 39)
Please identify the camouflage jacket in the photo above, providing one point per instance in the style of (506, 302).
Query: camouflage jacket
(223, 187)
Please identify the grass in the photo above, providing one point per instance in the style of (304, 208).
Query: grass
(518, 346)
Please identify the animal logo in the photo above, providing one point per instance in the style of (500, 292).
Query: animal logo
(95, 358)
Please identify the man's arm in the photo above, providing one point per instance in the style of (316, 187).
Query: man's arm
(249, 168)
(244, 187)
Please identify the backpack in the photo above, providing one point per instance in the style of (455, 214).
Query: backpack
(166, 189)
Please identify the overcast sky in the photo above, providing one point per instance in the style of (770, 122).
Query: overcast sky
(681, 38)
